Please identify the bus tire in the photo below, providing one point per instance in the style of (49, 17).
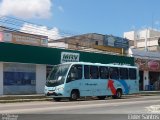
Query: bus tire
(57, 99)
(74, 95)
(118, 94)
(101, 97)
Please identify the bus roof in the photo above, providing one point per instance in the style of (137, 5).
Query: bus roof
(100, 64)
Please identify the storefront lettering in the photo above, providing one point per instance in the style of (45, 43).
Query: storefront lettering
(149, 65)
(69, 57)
(153, 65)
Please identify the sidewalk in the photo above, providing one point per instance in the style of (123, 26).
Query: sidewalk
(42, 97)
(23, 98)
(149, 93)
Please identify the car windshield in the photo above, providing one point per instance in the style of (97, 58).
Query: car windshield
(57, 75)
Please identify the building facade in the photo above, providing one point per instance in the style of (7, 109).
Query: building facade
(17, 37)
(146, 39)
(147, 57)
(93, 41)
(23, 68)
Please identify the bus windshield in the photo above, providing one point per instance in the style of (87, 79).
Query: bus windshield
(57, 75)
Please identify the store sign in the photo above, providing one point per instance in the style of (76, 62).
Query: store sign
(23, 38)
(148, 65)
(121, 64)
(114, 41)
(69, 57)
(26, 39)
(154, 65)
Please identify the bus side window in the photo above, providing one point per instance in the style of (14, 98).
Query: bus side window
(104, 73)
(132, 73)
(114, 73)
(75, 73)
(86, 72)
(123, 73)
(94, 72)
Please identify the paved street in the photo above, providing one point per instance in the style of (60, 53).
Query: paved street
(112, 109)
(137, 105)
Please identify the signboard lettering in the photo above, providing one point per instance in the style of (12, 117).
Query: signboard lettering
(69, 57)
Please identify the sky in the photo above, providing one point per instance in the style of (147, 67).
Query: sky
(84, 16)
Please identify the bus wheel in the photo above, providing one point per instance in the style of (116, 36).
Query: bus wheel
(101, 97)
(118, 94)
(74, 95)
(56, 99)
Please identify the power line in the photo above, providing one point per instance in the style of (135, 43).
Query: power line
(15, 24)
(19, 23)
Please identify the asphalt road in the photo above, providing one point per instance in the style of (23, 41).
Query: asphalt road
(85, 109)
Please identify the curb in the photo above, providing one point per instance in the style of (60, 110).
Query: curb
(23, 98)
(31, 98)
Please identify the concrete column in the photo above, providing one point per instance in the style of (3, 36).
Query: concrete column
(145, 79)
(1, 78)
(40, 78)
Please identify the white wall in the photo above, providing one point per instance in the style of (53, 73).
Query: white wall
(40, 78)
(154, 33)
(143, 34)
(145, 79)
(150, 42)
(130, 35)
(1, 78)
(139, 37)
(58, 44)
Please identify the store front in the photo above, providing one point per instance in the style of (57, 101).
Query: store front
(141, 83)
(21, 78)
(24, 68)
(149, 73)
(155, 79)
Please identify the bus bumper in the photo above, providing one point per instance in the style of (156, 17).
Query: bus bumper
(52, 94)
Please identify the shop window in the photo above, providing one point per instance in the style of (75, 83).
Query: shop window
(19, 74)
(96, 43)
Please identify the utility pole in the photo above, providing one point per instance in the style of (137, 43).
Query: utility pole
(146, 49)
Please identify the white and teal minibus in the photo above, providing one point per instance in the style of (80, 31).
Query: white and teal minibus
(80, 79)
